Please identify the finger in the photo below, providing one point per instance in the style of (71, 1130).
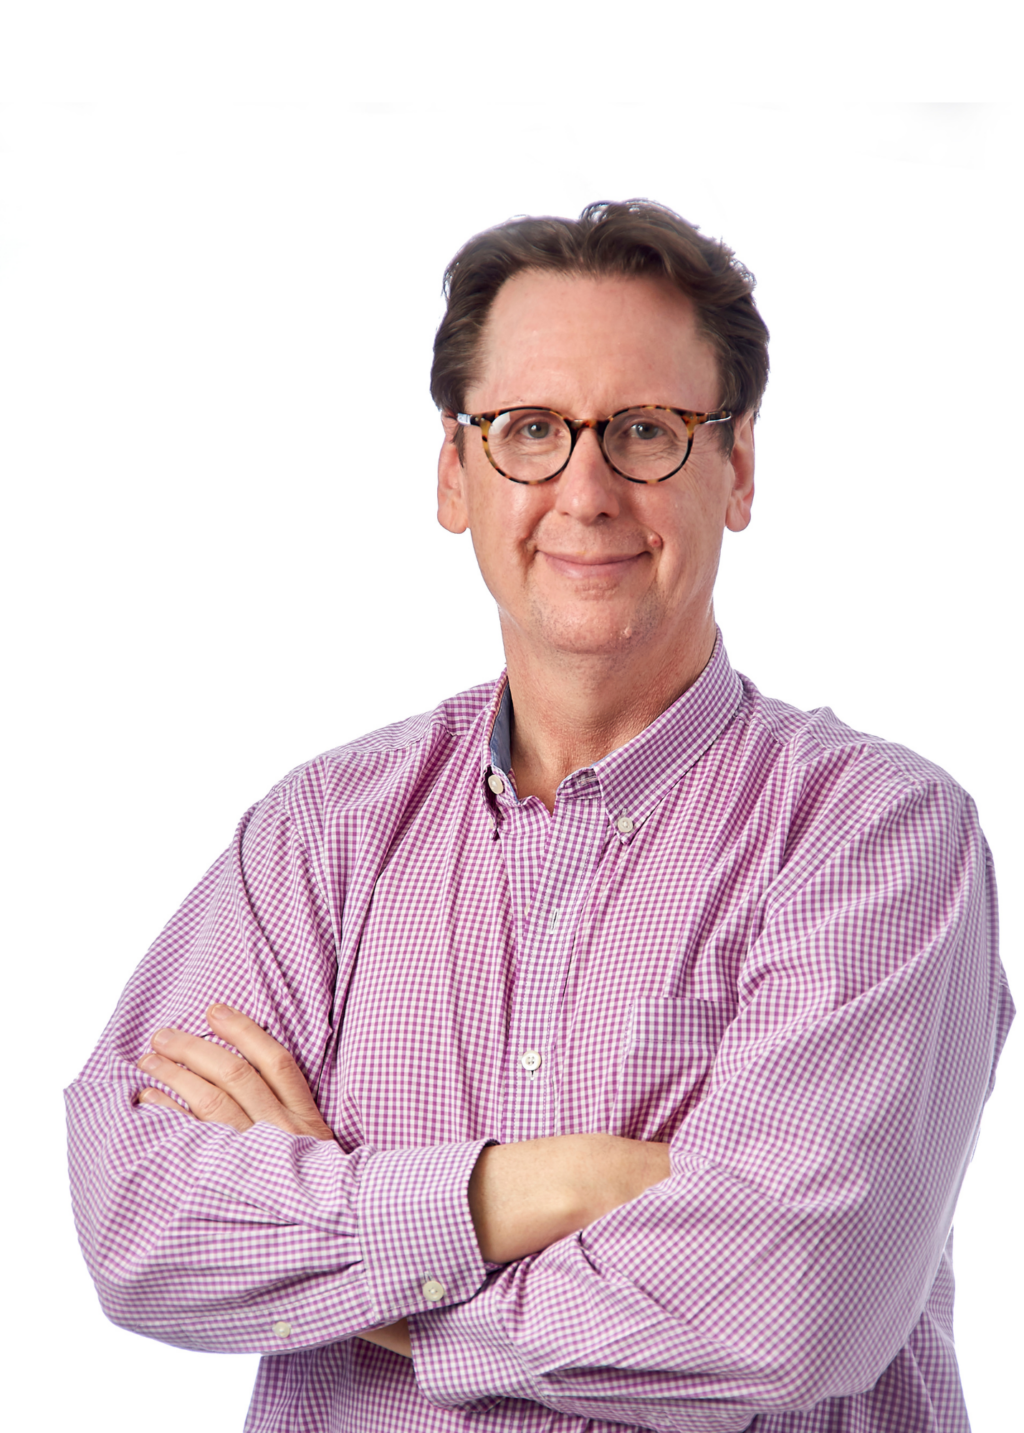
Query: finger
(236, 1085)
(229, 1072)
(151, 1096)
(206, 1100)
(274, 1063)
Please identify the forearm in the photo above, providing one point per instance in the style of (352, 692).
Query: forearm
(524, 1197)
(206, 1238)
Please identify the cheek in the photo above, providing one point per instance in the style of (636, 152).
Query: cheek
(688, 540)
(704, 504)
(505, 516)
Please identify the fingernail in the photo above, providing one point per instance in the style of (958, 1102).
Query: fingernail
(161, 1037)
(221, 1011)
(149, 1062)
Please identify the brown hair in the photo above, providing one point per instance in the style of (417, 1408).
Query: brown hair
(638, 238)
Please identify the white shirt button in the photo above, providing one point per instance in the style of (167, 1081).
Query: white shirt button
(624, 825)
(433, 1290)
(283, 1328)
(495, 783)
(531, 1060)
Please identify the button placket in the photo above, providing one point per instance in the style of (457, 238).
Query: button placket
(575, 843)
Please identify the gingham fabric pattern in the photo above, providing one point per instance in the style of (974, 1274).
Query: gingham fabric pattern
(751, 931)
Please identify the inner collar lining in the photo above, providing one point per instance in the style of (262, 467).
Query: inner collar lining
(501, 734)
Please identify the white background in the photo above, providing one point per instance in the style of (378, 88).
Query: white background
(222, 235)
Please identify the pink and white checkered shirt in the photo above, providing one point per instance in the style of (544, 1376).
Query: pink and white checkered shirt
(752, 931)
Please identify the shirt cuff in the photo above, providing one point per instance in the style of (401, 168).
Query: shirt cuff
(417, 1241)
(464, 1358)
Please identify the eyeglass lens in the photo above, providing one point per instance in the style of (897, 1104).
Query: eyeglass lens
(532, 444)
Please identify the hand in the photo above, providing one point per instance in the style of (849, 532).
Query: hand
(264, 1083)
(523, 1197)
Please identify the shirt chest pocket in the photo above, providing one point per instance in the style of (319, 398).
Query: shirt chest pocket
(664, 1064)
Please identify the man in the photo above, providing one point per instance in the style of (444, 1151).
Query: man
(613, 1039)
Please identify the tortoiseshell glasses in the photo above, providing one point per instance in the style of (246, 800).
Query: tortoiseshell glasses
(646, 444)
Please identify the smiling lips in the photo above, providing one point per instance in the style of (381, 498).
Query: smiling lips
(603, 565)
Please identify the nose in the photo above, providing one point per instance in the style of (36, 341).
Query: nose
(587, 489)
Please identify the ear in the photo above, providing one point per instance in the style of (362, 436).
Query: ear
(741, 496)
(451, 476)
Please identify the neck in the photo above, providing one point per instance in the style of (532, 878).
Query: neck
(570, 710)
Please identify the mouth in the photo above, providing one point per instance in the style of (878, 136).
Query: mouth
(593, 567)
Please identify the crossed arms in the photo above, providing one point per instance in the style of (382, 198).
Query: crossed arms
(723, 1270)
(522, 1197)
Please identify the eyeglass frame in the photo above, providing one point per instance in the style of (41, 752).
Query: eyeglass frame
(693, 421)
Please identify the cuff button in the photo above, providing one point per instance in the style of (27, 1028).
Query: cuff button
(433, 1290)
(283, 1329)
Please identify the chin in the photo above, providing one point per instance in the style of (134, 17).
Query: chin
(591, 640)
(592, 629)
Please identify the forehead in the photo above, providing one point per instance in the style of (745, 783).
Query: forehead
(606, 340)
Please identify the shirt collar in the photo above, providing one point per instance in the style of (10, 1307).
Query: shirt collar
(635, 778)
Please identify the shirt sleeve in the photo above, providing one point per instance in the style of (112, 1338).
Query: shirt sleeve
(789, 1256)
(208, 1238)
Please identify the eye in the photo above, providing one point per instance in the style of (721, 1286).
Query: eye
(532, 428)
(645, 431)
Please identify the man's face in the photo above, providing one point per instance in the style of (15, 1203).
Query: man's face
(589, 563)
